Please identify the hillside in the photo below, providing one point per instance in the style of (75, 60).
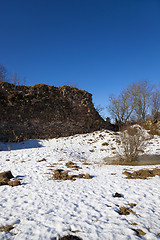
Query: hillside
(43, 111)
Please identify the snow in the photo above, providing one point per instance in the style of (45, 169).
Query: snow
(41, 208)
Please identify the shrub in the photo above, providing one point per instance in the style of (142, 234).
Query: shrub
(133, 141)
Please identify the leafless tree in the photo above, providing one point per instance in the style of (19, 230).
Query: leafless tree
(3, 73)
(155, 103)
(141, 93)
(121, 107)
(99, 109)
(14, 79)
(133, 102)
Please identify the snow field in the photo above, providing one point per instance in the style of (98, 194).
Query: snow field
(47, 209)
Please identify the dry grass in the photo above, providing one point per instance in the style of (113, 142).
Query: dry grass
(42, 160)
(60, 174)
(91, 150)
(6, 228)
(125, 211)
(142, 173)
(105, 144)
(139, 232)
(72, 165)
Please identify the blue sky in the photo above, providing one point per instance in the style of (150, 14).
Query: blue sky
(100, 46)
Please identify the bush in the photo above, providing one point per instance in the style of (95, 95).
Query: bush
(133, 140)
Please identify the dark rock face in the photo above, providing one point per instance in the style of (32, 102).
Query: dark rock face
(43, 111)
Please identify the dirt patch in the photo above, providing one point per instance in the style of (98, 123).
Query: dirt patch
(6, 228)
(42, 160)
(142, 173)
(105, 144)
(139, 232)
(70, 237)
(134, 223)
(85, 163)
(60, 174)
(132, 205)
(72, 165)
(14, 183)
(5, 179)
(117, 195)
(125, 211)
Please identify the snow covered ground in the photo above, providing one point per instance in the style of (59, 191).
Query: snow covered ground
(44, 209)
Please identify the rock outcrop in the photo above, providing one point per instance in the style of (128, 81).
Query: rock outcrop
(43, 112)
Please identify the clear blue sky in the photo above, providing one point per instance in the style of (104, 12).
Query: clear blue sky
(98, 45)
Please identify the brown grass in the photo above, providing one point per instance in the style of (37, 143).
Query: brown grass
(42, 160)
(105, 144)
(125, 211)
(6, 228)
(60, 174)
(72, 165)
(139, 232)
(142, 173)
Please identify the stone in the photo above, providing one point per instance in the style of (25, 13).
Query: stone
(42, 112)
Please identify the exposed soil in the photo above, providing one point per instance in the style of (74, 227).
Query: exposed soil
(72, 165)
(117, 195)
(142, 173)
(60, 174)
(125, 211)
(70, 237)
(139, 232)
(5, 179)
(132, 205)
(14, 183)
(42, 160)
(6, 228)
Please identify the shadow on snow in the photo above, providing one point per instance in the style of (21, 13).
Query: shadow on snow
(32, 143)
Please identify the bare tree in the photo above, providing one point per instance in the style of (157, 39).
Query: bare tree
(155, 103)
(15, 79)
(99, 109)
(3, 73)
(121, 107)
(5, 77)
(141, 93)
(132, 102)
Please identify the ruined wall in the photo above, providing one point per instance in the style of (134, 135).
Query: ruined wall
(43, 111)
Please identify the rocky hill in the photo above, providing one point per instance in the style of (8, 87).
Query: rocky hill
(43, 111)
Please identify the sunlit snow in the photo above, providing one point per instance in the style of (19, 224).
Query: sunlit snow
(46, 209)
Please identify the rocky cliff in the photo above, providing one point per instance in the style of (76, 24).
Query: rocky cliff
(43, 112)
